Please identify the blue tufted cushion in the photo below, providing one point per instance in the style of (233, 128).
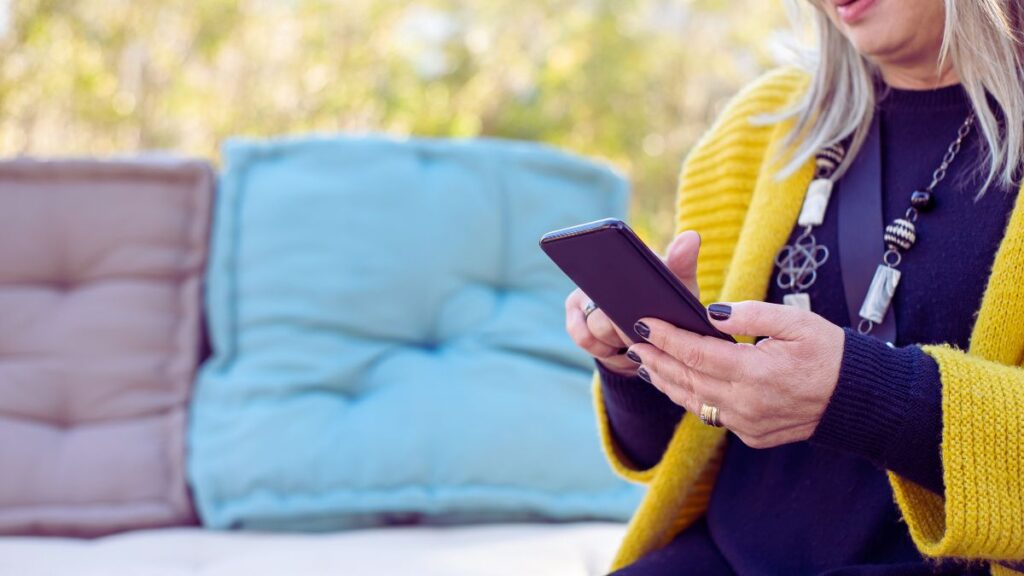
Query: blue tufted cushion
(388, 338)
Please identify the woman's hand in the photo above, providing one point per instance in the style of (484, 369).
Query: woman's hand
(603, 340)
(768, 394)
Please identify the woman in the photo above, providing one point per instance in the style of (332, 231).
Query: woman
(865, 432)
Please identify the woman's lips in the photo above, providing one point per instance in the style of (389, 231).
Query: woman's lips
(850, 11)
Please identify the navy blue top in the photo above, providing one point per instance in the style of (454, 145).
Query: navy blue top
(825, 506)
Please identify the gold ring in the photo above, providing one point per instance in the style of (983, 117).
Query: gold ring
(589, 309)
(709, 415)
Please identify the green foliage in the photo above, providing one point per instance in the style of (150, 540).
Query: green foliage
(634, 82)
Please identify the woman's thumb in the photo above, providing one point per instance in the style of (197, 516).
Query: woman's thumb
(681, 259)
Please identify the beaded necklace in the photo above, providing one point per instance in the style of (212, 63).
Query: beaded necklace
(799, 261)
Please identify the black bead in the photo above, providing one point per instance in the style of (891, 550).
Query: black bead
(921, 199)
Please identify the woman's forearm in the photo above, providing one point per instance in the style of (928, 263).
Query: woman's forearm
(887, 407)
(642, 419)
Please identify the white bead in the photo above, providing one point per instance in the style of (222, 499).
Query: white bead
(798, 300)
(880, 293)
(815, 203)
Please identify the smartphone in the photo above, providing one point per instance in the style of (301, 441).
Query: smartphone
(625, 278)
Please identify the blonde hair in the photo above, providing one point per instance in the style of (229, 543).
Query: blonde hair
(981, 41)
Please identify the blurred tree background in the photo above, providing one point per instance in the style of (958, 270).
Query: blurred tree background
(634, 82)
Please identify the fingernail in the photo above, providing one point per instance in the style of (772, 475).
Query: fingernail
(719, 311)
(644, 374)
(634, 357)
(642, 329)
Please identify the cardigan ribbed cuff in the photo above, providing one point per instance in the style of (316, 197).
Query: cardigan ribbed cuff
(887, 407)
(641, 418)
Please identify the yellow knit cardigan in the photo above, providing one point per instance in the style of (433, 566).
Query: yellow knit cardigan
(729, 193)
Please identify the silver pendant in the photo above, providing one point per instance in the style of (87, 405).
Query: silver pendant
(812, 213)
(800, 300)
(880, 293)
(799, 262)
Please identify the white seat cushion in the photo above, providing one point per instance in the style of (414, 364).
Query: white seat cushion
(580, 549)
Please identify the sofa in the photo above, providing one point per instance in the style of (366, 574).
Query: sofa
(336, 355)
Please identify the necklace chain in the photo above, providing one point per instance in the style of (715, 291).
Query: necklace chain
(940, 173)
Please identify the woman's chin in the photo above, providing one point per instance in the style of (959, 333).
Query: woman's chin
(891, 32)
(878, 46)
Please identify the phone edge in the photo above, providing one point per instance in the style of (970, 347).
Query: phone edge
(645, 251)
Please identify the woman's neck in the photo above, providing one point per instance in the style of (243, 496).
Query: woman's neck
(918, 76)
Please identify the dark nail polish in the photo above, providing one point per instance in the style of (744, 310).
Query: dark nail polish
(719, 311)
(634, 357)
(644, 374)
(642, 329)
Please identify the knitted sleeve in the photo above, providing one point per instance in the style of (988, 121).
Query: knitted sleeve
(981, 514)
(887, 408)
(642, 419)
(715, 187)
